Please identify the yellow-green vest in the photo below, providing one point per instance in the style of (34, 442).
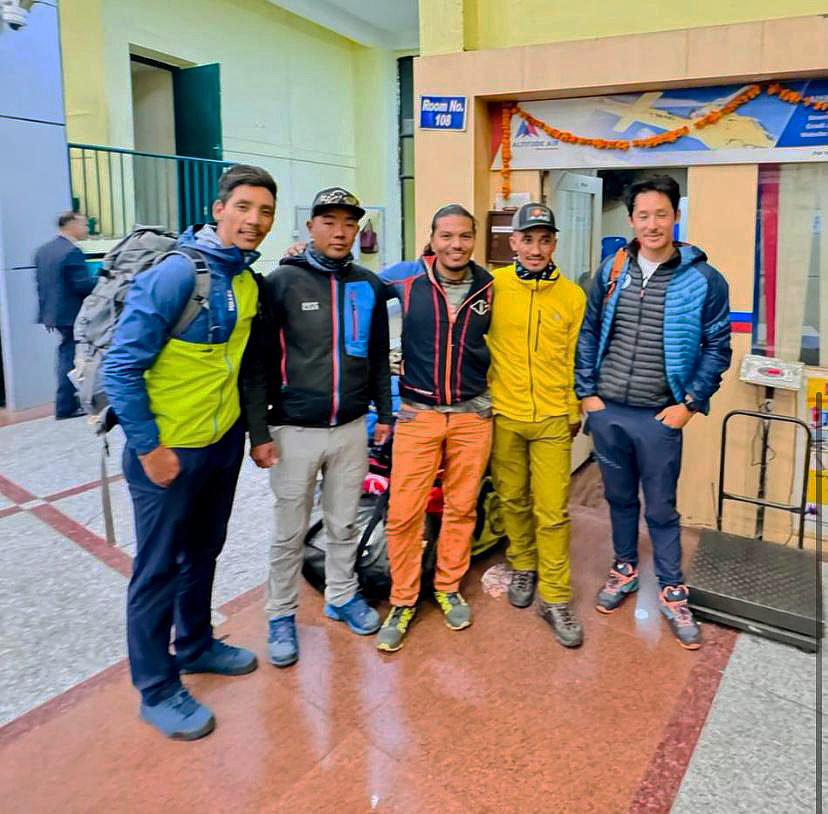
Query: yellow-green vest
(193, 388)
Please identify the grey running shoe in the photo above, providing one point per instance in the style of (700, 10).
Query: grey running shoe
(621, 582)
(674, 606)
(561, 619)
(522, 588)
(394, 628)
(455, 609)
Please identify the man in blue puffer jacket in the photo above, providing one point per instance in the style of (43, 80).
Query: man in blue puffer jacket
(653, 346)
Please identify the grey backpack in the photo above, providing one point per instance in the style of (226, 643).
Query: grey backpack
(141, 249)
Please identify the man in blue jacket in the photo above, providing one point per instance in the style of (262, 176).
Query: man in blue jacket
(63, 280)
(178, 403)
(653, 346)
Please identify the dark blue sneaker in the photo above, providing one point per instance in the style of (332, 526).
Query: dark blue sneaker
(360, 617)
(282, 644)
(180, 717)
(223, 659)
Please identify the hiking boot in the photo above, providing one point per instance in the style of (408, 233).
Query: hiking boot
(222, 659)
(282, 644)
(360, 617)
(562, 620)
(455, 609)
(522, 588)
(622, 581)
(179, 717)
(394, 628)
(673, 604)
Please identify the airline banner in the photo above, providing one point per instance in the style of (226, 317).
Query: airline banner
(766, 128)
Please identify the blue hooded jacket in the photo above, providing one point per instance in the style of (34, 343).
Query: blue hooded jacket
(696, 328)
(153, 305)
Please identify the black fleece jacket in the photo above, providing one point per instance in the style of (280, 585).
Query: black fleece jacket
(318, 354)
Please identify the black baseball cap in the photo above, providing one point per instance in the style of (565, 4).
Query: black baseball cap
(336, 197)
(531, 215)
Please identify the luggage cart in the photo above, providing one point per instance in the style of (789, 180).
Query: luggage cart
(766, 588)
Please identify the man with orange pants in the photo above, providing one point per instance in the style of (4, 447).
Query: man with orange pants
(445, 416)
(536, 318)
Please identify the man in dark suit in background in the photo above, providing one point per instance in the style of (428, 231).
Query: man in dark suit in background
(63, 280)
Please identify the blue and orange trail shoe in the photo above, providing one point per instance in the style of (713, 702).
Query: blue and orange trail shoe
(455, 609)
(621, 582)
(673, 604)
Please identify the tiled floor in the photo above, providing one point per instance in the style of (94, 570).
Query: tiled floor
(497, 718)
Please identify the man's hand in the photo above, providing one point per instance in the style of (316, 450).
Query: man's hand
(265, 455)
(295, 250)
(382, 432)
(676, 416)
(591, 404)
(161, 466)
(574, 429)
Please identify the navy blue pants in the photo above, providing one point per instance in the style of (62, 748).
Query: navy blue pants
(633, 448)
(66, 400)
(180, 532)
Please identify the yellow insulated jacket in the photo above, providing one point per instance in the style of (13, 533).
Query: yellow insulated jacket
(532, 338)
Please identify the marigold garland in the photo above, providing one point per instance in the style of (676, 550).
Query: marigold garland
(508, 110)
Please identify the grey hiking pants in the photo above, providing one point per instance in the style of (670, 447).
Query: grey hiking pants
(341, 454)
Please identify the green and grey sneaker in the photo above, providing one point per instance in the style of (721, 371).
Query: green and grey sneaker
(455, 609)
(522, 588)
(394, 628)
(562, 620)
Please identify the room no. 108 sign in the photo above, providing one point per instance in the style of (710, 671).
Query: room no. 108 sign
(443, 112)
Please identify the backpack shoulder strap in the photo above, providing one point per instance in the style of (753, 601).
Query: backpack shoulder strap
(379, 510)
(615, 272)
(200, 298)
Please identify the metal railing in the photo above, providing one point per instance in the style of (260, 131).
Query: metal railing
(116, 188)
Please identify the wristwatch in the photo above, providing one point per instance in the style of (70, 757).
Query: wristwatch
(691, 405)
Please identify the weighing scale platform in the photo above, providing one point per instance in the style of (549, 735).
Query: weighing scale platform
(762, 587)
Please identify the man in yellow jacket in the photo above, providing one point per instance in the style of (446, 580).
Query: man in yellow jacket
(536, 317)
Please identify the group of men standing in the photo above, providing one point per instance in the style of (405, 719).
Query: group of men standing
(495, 366)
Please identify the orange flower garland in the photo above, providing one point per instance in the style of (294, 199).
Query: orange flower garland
(669, 137)
(506, 148)
(794, 98)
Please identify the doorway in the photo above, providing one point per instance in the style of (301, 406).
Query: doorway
(176, 114)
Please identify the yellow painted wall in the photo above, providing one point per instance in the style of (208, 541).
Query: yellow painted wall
(310, 106)
(509, 23)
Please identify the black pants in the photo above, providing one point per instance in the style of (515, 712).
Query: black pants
(180, 532)
(66, 400)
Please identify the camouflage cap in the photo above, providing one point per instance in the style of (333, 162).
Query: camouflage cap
(336, 197)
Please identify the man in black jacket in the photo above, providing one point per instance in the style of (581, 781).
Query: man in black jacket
(323, 361)
(63, 280)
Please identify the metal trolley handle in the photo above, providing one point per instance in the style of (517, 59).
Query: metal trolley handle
(760, 500)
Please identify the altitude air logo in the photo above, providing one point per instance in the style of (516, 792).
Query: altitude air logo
(529, 136)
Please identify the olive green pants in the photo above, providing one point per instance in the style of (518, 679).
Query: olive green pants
(531, 464)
